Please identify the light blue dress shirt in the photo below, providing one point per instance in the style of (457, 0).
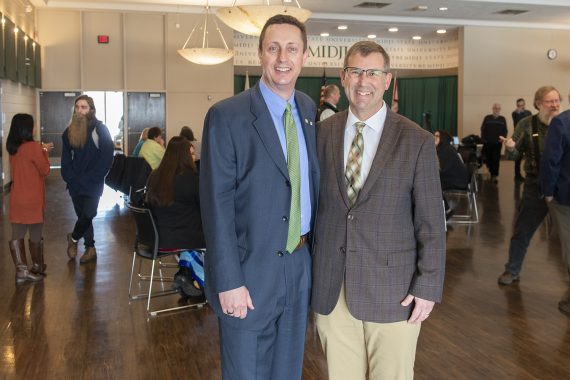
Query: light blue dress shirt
(276, 106)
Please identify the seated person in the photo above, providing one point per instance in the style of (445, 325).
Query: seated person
(173, 197)
(142, 139)
(153, 148)
(453, 173)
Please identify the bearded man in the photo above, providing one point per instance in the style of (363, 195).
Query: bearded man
(86, 157)
(528, 140)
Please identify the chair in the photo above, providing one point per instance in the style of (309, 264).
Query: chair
(471, 215)
(146, 247)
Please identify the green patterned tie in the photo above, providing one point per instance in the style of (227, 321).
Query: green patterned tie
(354, 164)
(294, 168)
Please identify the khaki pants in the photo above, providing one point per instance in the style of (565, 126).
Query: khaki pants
(386, 351)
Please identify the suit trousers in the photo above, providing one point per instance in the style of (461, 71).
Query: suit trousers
(532, 211)
(275, 350)
(562, 216)
(354, 348)
(86, 209)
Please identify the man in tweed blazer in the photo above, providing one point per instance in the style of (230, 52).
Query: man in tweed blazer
(378, 258)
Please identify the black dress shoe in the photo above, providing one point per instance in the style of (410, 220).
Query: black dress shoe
(184, 282)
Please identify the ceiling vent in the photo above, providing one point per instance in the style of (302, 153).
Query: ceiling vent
(512, 12)
(371, 5)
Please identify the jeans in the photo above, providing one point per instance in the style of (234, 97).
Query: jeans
(532, 211)
(85, 209)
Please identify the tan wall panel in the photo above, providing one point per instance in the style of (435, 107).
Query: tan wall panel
(145, 61)
(189, 109)
(102, 63)
(60, 42)
(501, 65)
(184, 76)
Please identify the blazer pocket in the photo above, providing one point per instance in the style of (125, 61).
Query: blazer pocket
(396, 259)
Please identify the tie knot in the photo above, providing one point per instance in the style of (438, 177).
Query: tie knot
(288, 108)
(359, 126)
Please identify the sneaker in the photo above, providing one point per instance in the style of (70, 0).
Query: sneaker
(71, 247)
(564, 306)
(89, 255)
(508, 278)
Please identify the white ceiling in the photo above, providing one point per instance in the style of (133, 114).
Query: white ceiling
(328, 14)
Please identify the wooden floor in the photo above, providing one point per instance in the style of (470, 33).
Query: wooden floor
(79, 324)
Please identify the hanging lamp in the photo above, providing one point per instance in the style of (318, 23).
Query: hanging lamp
(250, 19)
(206, 55)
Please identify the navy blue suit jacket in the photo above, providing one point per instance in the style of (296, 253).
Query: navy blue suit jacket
(245, 197)
(555, 162)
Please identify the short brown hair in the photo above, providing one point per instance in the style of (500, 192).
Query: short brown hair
(367, 47)
(284, 19)
(329, 90)
(542, 92)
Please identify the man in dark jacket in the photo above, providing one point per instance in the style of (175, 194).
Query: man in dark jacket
(518, 114)
(86, 157)
(555, 181)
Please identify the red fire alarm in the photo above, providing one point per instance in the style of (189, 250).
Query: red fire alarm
(103, 39)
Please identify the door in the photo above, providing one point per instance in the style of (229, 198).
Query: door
(144, 110)
(55, 113)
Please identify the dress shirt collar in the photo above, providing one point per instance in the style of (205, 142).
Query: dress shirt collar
(274, 102)
(376, 121)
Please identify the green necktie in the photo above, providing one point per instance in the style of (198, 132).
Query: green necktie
(294, 168)
(354, 164)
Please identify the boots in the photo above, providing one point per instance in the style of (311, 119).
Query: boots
(71, 247)
(18, 252)
(89, 255)
(37, 254)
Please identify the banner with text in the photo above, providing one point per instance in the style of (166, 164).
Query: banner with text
(330, 52)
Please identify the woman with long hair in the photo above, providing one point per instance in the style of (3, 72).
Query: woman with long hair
(29, 165)
(173, 196)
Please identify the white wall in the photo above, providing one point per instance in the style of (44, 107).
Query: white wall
(503, 64)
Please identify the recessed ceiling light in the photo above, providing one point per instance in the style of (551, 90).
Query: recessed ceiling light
(342, 27)
(372, 36)
(442, 8)
(324, 34)
(393, 30)
(416, 37)
(421, 8)
(441, 31)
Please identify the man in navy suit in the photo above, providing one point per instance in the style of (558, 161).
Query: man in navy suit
(258, 273)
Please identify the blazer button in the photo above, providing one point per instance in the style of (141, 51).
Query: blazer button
(287, 183)
(285, 218)
(342, 250)
(350, 217)
(280, 253)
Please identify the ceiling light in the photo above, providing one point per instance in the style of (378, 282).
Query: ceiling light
(442, 8)
(325, 34)
(250, 19)
(206, 55)
(393, 30)
(416, 38)
(342, 27)
(441, 31)
(372, 36)
(420, 8)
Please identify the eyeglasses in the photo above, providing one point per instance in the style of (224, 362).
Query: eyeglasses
(551, 102)
(356, 72)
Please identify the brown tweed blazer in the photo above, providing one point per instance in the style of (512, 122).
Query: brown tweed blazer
(392, 241)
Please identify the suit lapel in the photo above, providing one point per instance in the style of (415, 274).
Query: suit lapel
(388, 140)
(263, 123)
(337, 131)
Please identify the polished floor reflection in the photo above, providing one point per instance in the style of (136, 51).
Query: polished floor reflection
(79, 324)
